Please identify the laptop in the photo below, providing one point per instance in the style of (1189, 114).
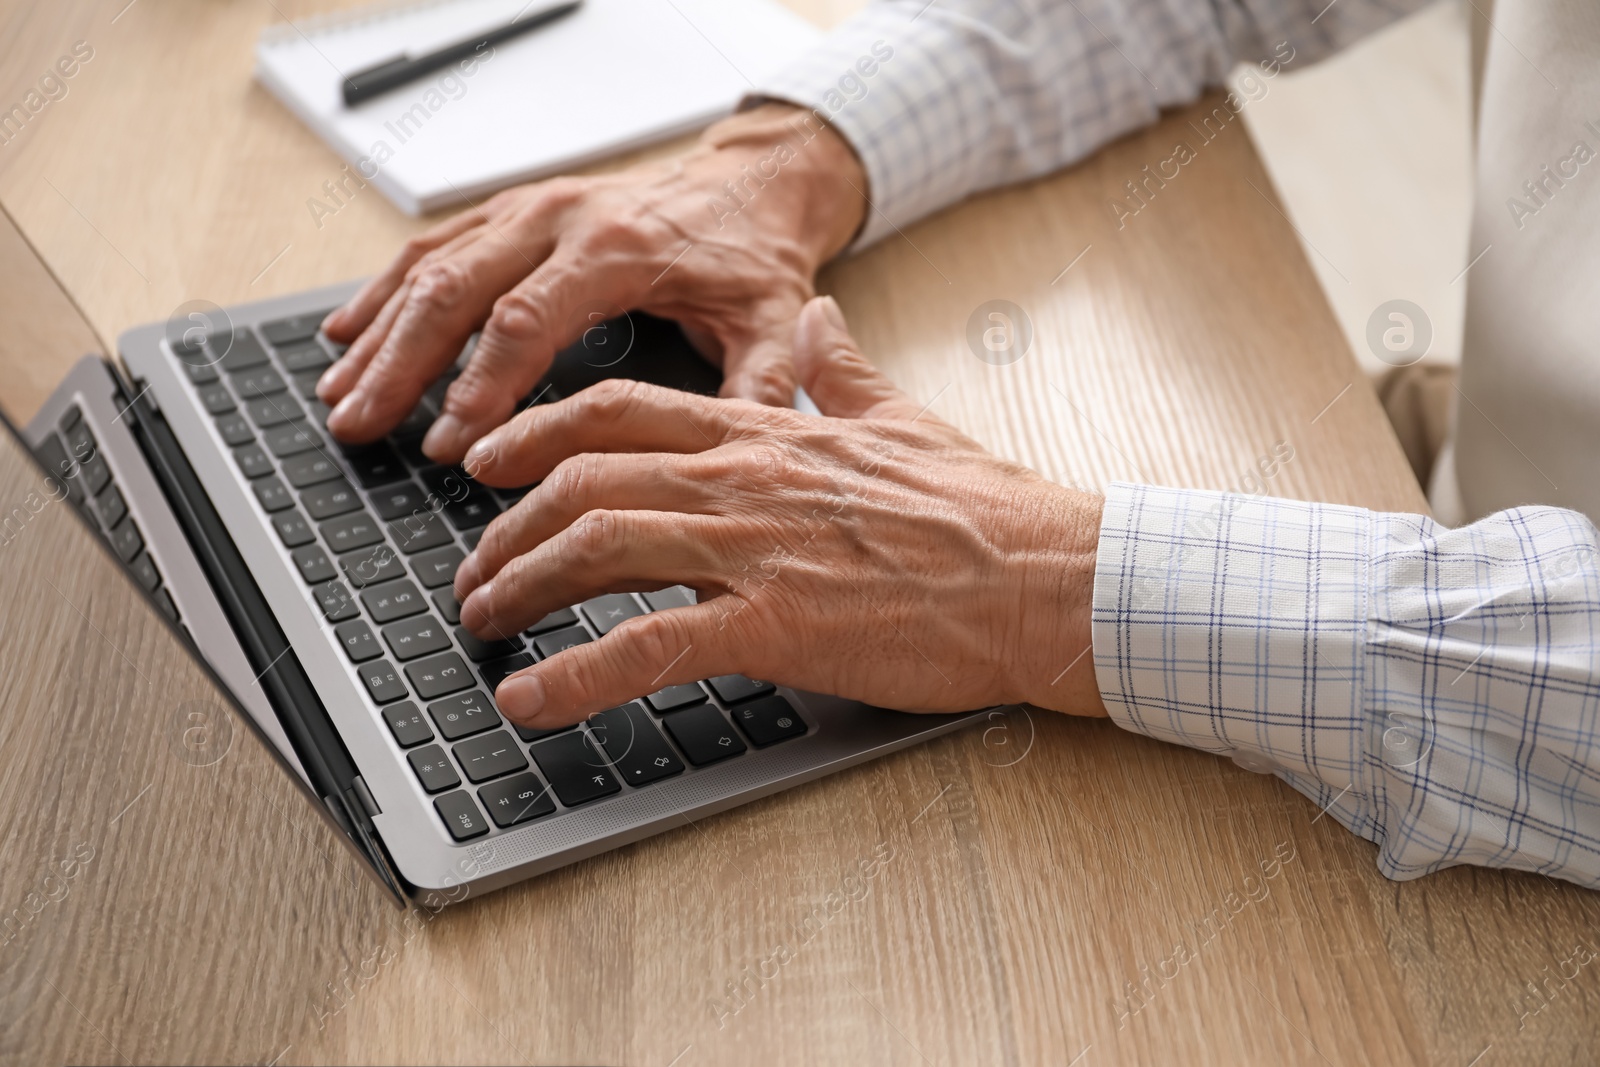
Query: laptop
(313, 581)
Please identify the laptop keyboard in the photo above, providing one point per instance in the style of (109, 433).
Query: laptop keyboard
(72, 453)
(376, 533)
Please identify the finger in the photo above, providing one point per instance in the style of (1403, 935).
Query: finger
(337, 381)
(528, 326)
(446, 301)
(835, 373)
(346, 322)
(585, 483)
(761, 366)
(616, 415)
(603, 552)
(637, 658)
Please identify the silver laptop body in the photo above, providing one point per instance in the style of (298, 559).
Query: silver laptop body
(313, 581)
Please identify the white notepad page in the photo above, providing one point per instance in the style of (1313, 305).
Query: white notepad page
(613, 76)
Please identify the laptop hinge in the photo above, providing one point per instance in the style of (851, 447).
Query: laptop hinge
(364, 795)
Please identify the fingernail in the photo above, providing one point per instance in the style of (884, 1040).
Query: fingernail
(348, 409)
(328, 382)
(475, 609)
(467, 575)
(521, 697)
(333, 316)
(477, 456)
(443, 441)
(830, 308)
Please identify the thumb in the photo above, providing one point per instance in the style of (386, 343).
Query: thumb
(758, 367)
(835, 373)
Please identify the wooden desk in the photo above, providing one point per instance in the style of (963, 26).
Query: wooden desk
(1033, 871)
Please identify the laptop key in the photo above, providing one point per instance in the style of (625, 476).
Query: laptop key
(438, 567)
(291, 439)
(144, 569)
(351, 532)
(768, 721)
(433, 769)
(407, 724)
(449, 484)
(422, 635)
(269, 411)
(415, 533)
(574, 768)
(336, 602)
(472, 537)
(439, 675)
(356, 639)
(704, 735)
(375, 465)
(394, 501)
(490, 756)
(672, 597)
(476, 510)
(499, 670)
(516, 800)
(252, 461)
(216, 399)
(301, 327)
(258, 382)
(371, 566)
(463, 715)
(479, 650)
(634, 745)
(382, 681)
(245, 352)
(306, 357)
(318, 412)
(95, 474)
(392, 600)
(305, 383)
(272, 494)
(674, 697)
(293, 529)
(461, 816)
(201, 373)
(607, 612)
(235, 429)
(449, 607)
(561, 640)
(308, 468)
(164, 602)
(110, 506)
(554, 621)
(125, 539)
(733, 688)
(313, 564)
(52, 455)
(329, 499)
(527, 734)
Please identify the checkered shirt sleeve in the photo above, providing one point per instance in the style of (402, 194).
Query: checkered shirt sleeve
(947, 98)
(1436, 691)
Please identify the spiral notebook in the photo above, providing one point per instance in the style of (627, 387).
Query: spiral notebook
(613, 76)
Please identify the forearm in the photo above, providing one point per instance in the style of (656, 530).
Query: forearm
(1438, 691)
(944, 100)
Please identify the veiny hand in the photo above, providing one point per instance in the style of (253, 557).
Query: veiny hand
(726, 240)
(876, 553)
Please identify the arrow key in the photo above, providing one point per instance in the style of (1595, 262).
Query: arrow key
(704, 735)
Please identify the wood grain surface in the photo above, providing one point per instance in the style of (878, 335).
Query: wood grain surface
(1016, 894)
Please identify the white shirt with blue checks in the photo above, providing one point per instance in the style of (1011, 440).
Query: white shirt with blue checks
(1436, 691)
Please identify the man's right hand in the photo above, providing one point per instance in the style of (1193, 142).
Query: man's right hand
(726, 240)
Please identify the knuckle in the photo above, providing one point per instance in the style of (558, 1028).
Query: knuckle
(611, 232)
(416, 247)
(596, 536)
(572, 479)
(439, 286)
(516, 318)
(651, 640)
(611, 400)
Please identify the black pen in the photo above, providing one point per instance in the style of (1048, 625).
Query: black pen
(393, 73)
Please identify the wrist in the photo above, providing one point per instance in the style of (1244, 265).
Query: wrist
(794, 171)
(1053, 590)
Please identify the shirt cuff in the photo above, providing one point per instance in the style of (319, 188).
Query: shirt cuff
(882, 81)
(1236, 624)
